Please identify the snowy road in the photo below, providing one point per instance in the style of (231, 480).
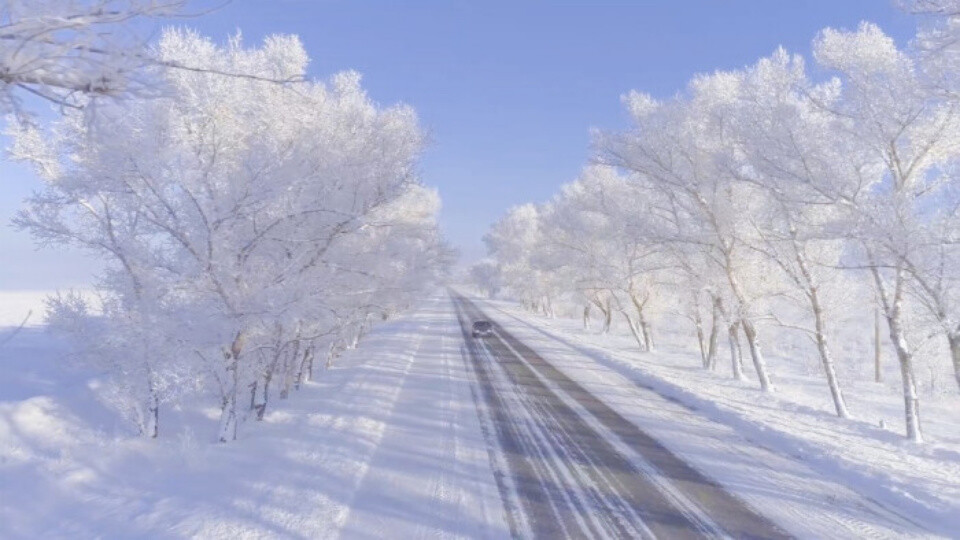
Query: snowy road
(429, 476)
(577, 468)
(420, 432)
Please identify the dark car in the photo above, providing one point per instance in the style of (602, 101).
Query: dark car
(482, 329)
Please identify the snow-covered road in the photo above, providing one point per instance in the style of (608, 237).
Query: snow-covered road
(430, 474)
(680, 448)
(420, 432)
(580, 469)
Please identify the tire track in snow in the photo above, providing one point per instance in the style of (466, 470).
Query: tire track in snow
(602, 467)
(556, 487)
(534, 430)
(583, 475)
(514, 517)
(685, 506)
(806, 487)
(529, 508)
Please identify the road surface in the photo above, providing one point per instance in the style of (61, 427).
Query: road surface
(572, 467)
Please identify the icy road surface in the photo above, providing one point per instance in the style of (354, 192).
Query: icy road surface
(574, 478)
(591, 454)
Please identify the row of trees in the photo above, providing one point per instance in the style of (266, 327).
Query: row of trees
(253, 224)
(763, 195)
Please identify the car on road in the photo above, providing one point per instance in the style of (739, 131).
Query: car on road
(482, 329)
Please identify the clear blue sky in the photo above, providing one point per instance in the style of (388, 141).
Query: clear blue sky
(507, 90)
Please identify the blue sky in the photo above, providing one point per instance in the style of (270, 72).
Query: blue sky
(508, 91)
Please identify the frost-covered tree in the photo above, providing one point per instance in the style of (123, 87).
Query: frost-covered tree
(681, 149)
(600, 233)
(144, 368)
(76, 54)
(66, 51)
(515, 242)
(253, 222)
(486, 277)
(911, 134)
(811, 177)
(938, 45)
(762, 195)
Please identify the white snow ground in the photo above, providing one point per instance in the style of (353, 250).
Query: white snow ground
(821, 478)
(17, 307)
(388, 444)
(385, 444)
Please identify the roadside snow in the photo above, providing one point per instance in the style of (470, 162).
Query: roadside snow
(28, 307)
(722, 427)
(21, 305)
(386, 441)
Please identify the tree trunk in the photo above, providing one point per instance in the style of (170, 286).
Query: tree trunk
(305, 361)
(635, 330)
(759, 364)
(285, 378)
(150, 423)
(701, 338)
(364, 327)
(227, 430)
(607, 317)
(753, 340)
(148, 411)
(839, 404)
(645, 332)
(288, 372)
(813, 294)
(644, 328)
(606, 311)
(911, 400)
(228, 419)
(877, 372)
(954, 339)
(547, 307)
(714, 336)
(310, 365)
(586, 317)
(735, 353)
(331, 354)
(892, 307)
(261, 395)
(355, 341)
